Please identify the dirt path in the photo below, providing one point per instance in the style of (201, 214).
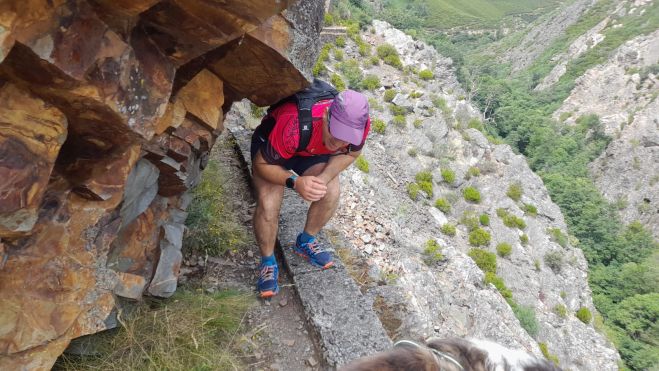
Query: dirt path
(275, 335)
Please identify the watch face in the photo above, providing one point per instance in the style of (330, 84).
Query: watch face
(290, 182)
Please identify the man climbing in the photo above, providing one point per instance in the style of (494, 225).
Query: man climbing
(338, 132)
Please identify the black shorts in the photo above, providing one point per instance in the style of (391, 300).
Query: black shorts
(299, 164)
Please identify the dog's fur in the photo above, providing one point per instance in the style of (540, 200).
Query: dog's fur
(473, 355)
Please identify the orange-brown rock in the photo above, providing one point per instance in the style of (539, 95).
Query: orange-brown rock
(31, 136)
(188, 29)
(202, 98)
(108, 110)
(69, 56)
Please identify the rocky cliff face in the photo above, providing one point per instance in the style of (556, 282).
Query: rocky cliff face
(108, 110)
(623, 93)
(544, 32)
(417, 297)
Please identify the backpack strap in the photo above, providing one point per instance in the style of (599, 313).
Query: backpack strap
(319, 90)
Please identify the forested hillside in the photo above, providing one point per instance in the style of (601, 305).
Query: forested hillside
(622, 258)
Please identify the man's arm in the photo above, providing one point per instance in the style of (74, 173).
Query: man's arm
(309, 187)
(337, 164)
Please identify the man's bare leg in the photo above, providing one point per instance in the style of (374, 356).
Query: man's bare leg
(321, 211)
(266, 216)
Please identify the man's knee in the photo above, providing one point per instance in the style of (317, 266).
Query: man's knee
(333, 190)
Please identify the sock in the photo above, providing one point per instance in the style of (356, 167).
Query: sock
(268, 260)
(304, 237)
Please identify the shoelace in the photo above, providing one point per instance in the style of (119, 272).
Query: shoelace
(267, 273)
(315, 247)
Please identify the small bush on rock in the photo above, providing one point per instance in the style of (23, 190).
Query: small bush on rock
(469, 220)
(362, 164)
(399, 121)
(584, 315)
(515, 191)
(431, 252)
(473, 172)
(484, 259)
(337, 81)
(389, 95)
(338, 54)
(379, 126)
(484, 219)
(530, 209)
(499, 284)
(554, 260)
(524, 239)
(472, 194)
(426, 75)
(418, 123)
(448, 175)
(443, 205)
(340, 41)
(526, 317)
(560, 310)
(504, 249)
(557, 236)
(448, 229)
(413, 191)
(479, 237)
(370, 82)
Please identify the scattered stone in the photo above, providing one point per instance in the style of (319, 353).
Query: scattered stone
(250, 253)
(289, 343)
(312, 362)
(283, 302)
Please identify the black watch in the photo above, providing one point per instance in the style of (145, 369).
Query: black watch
(290, 181)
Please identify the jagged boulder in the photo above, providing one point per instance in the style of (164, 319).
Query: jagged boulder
(109, 110)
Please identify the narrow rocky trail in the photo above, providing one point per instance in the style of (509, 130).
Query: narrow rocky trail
(275, 334)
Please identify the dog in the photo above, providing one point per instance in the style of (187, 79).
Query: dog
(453, 354)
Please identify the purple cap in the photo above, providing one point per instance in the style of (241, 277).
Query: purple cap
(348, 116)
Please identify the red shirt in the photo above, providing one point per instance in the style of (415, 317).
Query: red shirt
(284, 138)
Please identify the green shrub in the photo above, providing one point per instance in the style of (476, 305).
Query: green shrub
(484, 259)
(389, 55)
(497, 281)
(530, 209)
(510, 220)
(426, 75)
(443, 205)
(536, 264)
(374, 104)
(397, 110)
(557, 236)
(515, 191)
(340, 41)
(475, 123)
(473, 172)
(337, 81)
(413, 190)
(440, 103)
(504, 249)
(365, 50)
(370, 82)
(328, 19)
(323, 56)
(560, 310)
(469, 220)
(426, 187)
(448, 229)
(423, 176)
(526, 317)
(213, 227)
(399, 121)
(412, 152)
(471, 194)
(448, 175)
(584, 315)
(362, 163)
(549, 356)
(524, 239)
(352, 72)
(418, 123)
(378, 126)
(338, 54)
(416, 94)
(389, 95)
(484, 219)
(554, 260)
(431, 252)
(479, 237)
(374, 60)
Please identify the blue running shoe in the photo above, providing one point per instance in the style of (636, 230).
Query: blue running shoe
(313, 251)
(267, 284)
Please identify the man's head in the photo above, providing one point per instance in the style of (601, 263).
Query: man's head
(348, 116)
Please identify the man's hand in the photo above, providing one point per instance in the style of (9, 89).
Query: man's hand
(311, 188)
